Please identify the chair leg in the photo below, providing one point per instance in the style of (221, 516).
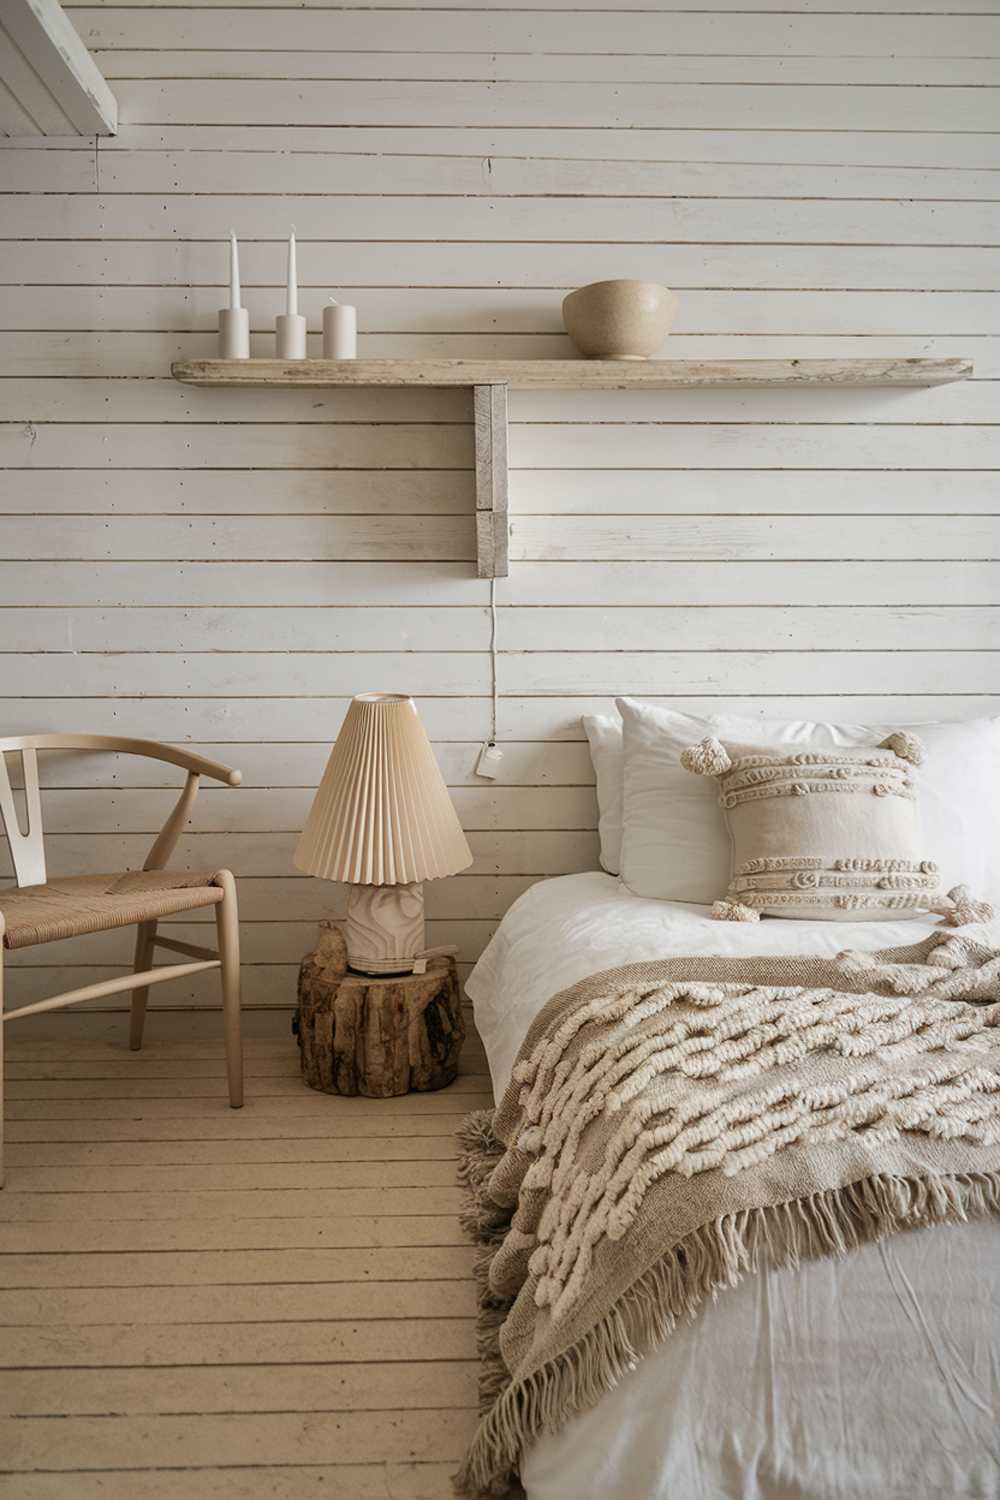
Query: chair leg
(228, 928)
(143, 959)
(1, 1052)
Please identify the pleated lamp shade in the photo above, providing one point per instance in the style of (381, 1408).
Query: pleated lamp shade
(382, 814)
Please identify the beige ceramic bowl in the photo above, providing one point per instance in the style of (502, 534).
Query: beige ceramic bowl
(619, 319)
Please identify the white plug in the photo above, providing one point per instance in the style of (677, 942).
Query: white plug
(488, 764)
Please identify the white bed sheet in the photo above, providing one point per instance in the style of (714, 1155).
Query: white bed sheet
(875, 1376)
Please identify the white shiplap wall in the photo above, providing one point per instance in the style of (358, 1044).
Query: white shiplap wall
(815, 177)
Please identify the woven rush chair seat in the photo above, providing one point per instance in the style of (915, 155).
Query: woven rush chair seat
(97, 903)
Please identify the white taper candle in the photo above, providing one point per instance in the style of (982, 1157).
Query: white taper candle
(234, 270)
(234, 320)
(292, 298)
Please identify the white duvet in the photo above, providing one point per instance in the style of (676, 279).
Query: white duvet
(872, 1378)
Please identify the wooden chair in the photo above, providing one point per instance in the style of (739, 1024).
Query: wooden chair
(38, 910)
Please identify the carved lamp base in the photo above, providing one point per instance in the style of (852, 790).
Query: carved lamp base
(385, 927)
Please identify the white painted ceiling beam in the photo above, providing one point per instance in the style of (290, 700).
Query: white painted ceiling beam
(51, 84)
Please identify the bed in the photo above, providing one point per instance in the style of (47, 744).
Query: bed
(876, 1375)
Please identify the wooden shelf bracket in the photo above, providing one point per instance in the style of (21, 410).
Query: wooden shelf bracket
(490, 409)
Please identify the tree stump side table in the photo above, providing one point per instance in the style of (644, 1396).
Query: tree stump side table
(380, 1036)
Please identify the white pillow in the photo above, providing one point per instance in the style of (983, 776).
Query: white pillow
(674, 841)
(604, 733)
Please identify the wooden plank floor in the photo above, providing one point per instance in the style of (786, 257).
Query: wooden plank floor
(275, 1301)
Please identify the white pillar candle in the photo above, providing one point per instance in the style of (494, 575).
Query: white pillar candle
(234, 320)
(340, 331)
(290, 329)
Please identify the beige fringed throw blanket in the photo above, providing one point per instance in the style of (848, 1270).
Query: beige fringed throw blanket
(671, 1126)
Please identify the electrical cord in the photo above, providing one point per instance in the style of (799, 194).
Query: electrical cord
(493, 658)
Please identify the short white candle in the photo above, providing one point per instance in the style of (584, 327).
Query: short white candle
(340, 331)
(292, 295)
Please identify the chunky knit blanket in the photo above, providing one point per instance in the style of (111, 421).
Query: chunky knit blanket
(671, 1126)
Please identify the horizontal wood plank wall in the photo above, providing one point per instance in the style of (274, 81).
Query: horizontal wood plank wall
(227, 568)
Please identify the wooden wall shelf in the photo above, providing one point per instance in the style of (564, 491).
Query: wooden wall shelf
(570, 374)
(491, 379)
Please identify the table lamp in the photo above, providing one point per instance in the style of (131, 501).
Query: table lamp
(382, 821)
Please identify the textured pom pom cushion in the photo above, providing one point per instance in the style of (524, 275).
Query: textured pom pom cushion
(822, 833)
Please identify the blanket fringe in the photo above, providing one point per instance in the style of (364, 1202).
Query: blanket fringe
(715, 1256)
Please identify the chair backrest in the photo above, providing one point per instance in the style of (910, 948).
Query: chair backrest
(27, 847)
